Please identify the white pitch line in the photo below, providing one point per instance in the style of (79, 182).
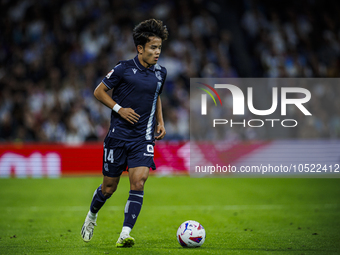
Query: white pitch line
(182, 207)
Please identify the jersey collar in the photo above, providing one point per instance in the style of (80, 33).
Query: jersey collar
(140, 66)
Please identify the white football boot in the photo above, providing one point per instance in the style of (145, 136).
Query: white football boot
(125, 240)
(87, 229)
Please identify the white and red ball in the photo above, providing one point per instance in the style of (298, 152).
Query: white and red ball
(191, 234)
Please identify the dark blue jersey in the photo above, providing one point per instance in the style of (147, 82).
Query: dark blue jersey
(136, 87)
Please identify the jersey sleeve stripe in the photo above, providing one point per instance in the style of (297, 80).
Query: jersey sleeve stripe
(106, 84)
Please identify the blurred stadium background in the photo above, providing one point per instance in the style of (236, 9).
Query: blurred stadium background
(54, 53)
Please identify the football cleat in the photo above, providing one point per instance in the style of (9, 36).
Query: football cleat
(125, 240)
(87, 229)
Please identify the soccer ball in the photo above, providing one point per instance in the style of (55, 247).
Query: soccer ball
(191, 234)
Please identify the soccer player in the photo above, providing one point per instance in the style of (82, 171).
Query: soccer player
(136, 113)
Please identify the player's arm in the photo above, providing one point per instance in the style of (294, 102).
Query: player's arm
(160, 129)
(126, 113)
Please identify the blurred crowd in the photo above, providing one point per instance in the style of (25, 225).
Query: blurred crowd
(54, 53)
(288, 39)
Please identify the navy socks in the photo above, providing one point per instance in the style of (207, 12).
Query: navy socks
(133, 207)
(98, 200)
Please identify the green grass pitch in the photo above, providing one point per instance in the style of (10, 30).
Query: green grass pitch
(240, 215)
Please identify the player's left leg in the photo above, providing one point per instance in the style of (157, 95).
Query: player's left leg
(138, 177)
(101, 194)
(114, 162)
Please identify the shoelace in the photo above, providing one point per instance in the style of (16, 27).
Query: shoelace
(91, 225)
(123, 237)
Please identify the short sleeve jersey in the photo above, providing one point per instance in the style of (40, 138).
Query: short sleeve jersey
(136, 87)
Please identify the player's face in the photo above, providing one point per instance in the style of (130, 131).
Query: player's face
(151, 51)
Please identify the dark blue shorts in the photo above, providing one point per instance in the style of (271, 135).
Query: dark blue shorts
(120, 154)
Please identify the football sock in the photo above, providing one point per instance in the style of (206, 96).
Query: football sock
(132, 208)
(126, 230)
(98, 200)
(92, 216)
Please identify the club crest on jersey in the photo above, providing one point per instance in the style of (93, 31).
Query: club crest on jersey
(134, 70)
(158, 75)
(109, 74)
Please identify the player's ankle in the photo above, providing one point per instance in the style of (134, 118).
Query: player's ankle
(92, 216)
(125, 231)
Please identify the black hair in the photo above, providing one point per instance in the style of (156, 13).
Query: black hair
(148, 28)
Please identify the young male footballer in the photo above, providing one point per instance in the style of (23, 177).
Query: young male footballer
(136, 114)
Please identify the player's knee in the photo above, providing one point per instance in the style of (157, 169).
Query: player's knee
(138, 185)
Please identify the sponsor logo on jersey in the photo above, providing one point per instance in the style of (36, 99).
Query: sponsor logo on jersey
(149, 148)
(150, 151)
(134, 70)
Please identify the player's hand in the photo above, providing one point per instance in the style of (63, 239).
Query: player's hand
(129, 115)
(161, 131)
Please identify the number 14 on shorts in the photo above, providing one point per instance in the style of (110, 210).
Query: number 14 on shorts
(108, 157)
